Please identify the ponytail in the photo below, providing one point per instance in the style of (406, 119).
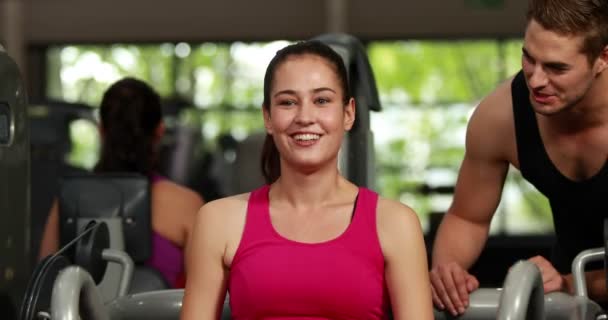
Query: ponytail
(271, 163)
(130, 114)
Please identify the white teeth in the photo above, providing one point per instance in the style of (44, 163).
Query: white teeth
(306, 136)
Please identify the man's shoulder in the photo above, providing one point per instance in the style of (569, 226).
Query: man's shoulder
(490, 133)
(496, 108)
(500, 97)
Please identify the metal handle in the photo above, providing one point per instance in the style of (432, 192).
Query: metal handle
(127, 264)
(523, 295)
(74, 282)
(578, 269)
(71, 284)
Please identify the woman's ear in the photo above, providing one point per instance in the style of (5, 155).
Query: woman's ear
(160, 130)
(101, 130)
(267, 124)
(349, 114)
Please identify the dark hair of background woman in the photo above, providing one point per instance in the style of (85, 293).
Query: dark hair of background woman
(130, 113)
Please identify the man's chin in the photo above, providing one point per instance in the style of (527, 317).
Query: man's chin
(546, 109)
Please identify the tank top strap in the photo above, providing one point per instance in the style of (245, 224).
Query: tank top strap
(258, 219)
(534, 162)
(367, 201)
(155, 177)
(256, 227)
(363, 231)
(529, 144)
(258, 200)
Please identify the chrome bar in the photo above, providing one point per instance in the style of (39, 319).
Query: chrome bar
(71, 284)
(578, 269)
(523, 294)
(123, 259)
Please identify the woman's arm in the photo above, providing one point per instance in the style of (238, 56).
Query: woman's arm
(406, 267)
(194, 204)
(174, 212)
(207, 277)
(50, 235)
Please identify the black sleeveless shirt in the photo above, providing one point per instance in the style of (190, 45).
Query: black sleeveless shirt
(579, 207)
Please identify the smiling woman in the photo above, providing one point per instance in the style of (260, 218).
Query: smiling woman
(291, 104)
(309, 243)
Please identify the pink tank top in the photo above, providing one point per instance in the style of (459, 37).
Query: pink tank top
(166, 257)
(272, 277)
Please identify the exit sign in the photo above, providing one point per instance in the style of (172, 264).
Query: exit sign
(485, 4)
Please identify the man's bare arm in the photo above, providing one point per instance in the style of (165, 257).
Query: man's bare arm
(596, 285)
(463, 232)
(464, 229)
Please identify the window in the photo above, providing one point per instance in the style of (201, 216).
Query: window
(428, 90)
(221, 80)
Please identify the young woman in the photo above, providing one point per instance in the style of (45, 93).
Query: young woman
(310, 244)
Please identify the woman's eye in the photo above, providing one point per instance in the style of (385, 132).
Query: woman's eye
(287, 102)
(322, 100)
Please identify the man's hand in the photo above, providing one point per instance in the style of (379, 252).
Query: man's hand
(451, 285)
(552, 279)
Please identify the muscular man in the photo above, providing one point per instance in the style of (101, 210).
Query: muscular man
(551, 122)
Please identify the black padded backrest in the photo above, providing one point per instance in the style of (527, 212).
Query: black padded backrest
(108, 196)
(246, 174)
(357, 161)
(354, 55)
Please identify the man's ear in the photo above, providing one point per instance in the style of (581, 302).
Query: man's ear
(602, 60)
(349, 114)
(267, 125)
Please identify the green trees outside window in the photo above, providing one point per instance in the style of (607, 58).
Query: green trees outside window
(428, 90)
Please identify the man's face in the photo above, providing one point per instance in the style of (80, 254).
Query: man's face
(557, 73)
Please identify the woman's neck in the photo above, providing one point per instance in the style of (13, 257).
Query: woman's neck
(303, 190)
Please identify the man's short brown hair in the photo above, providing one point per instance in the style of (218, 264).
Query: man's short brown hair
(574, 17)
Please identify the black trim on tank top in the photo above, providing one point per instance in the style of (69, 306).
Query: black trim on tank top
(352, 214)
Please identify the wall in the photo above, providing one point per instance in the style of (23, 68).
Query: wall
(28, 26)
(49, 21)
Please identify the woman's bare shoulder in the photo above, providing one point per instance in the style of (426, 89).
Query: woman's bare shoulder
(173, 192)
(399, 228)
(228, 205)
(395, 219)
(389, 210)
(224, 218)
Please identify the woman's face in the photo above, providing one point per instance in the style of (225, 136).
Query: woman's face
(307, 117)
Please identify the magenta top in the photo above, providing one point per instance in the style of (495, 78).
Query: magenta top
(272, 277)
(166, 257)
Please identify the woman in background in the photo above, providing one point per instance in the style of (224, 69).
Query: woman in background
(131, 129)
